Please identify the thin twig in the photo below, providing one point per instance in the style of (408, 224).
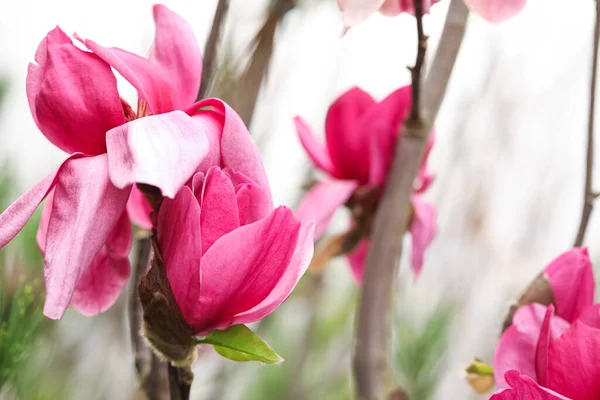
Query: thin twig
(370, 362)
(540, 290)
(210, 50)
(589, 197)
(179, 385)
(415, 112)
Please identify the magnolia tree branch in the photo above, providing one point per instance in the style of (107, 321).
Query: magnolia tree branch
(210, 50)
(540, 290)
(371, 369)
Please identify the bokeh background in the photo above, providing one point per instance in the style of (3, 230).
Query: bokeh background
(509, 159)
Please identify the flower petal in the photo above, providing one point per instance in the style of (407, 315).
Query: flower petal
(219, 214)
(152, 82)
(72, 95)
(591, 316)
(251, 199)
(347, 142)
(282, 290)
(357, 259)
(423, 229)
(242, 268)
(180, 243)
(394, 7)
(102, 282)
(322, 201)
(139, 209)
(524, 388)
(496, 10)
(356, 11)
(573, 363)
(315, 150)
(572, 278)
(85, 210)
(177, 52)
(161, 150)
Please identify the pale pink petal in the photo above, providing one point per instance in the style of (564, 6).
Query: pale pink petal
(423, 229)
(85, 210)
(357, 259)
(296, 268)
(180, 242)
(517, 346)
(212, 121)
(102, 282)
(72, 95)
(42, 231)
(219, 213)
(153, 83)
(322, 201)
(356, 11)
(139, 209)
(176, 50)
(242, 268)
(347, 141)
(394, 7)
(14, 218)
(541, 351)
(381, 125)
(524, 388)
(572, 278)
(573, 363)
(496, 10)
(161, 150)
(315, 150)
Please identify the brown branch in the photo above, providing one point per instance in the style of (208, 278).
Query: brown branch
(540, 290)
(210, 50)
(370, 362)
(415, 72)
(589, 196)
(180, 382)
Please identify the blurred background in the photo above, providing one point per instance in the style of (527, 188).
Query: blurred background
(509, 159)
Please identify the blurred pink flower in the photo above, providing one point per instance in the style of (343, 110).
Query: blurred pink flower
(361, 136)
(496, 10)
(555, 352)
(356, 11)
(75, 103)
(228, 259)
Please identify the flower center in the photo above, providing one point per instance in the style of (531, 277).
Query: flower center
(142, 110)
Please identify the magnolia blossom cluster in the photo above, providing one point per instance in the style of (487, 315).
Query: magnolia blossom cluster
(361, 136)
(551, 352)
(230, 256)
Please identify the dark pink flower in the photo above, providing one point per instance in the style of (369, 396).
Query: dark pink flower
(356, 11)
(360, 138)
(228, 259)
(75, 103)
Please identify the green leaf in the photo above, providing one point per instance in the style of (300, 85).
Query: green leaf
(239, 343)
(479, 367)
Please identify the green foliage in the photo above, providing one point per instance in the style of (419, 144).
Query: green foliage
(420, 352)
(239, 343)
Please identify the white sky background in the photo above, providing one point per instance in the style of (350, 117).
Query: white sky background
(511, 133)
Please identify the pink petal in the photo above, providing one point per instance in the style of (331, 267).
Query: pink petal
(541, 352)
(85, 210)
(394, 7)
(102, 282)
(42, 231)
(423, 229)
(219, 213)
(253, 202)
(496, 10)
(161, 150)
(322, 201)
(153, 83)
(72, 95)
(517, 346)
(356, 11)
(572, 278)
(294, 271)
(357, 259)
(591, 316)
(177, 52)
(382, 123)
(573, 363)
(524, 388)
(347, 141)
(180, 242)
(242, 268)
(14, 218)
(315, 150)
(139, 209)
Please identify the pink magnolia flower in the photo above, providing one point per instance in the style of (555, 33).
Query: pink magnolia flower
(75, 103)
(543, 356)
(227, 261)
(361, 136)
(356, 11)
